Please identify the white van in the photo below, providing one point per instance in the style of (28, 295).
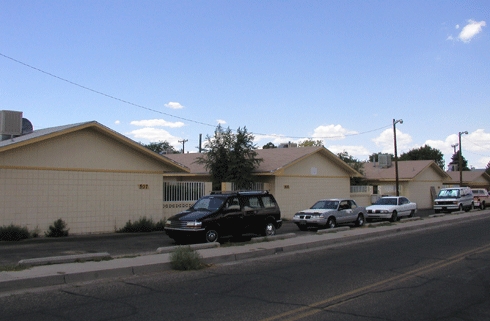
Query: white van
(454, 199)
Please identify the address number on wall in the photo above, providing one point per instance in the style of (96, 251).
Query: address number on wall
(144, 186)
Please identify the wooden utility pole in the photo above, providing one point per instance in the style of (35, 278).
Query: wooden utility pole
(183, 144)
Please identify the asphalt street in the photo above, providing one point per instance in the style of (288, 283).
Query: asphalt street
(116, 244)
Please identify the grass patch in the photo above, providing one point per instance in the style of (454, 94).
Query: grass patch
(12, 268)
(58, 229)
(13, 233)
(144, 224)
(184, 259)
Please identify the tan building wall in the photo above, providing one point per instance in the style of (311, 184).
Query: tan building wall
(89, 202)
(297, 193)
(84, 149)
(418, 190)
(311, 179)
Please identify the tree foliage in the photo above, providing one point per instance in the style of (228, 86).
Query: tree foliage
(310, 142)
(230, 157)
(161, 147)
(464, 162)
(355, 164)
(424, 153)
(269, 145)
(487, 170)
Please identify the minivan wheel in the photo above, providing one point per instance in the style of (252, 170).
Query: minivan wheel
(269, 229)
(469, 208)
(212, 235)
(461, 207)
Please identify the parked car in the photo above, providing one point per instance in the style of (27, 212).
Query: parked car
(392, 208)
(480, 198)
(454, 199)
(329, 213)
(228, 213)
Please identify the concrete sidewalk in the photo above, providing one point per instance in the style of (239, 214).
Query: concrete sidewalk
(212, 253)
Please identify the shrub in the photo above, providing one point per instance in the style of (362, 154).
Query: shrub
(184, 258)
(142, 225)
(58, 229)
(13, 233)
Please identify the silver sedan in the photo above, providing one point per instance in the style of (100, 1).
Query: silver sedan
(328, 213)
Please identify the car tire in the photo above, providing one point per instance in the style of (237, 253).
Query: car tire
(269, 229)
(483, 205)
(360, 220)
(331, 222)
(412, 212)
(469, 208)
(461, 208)
(394, 216)
(211, 235)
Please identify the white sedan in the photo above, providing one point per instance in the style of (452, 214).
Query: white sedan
(392, 208)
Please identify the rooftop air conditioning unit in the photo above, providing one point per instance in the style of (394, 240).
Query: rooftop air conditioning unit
(384, 160)
(10, 122)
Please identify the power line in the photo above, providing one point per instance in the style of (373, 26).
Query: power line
(167, 114)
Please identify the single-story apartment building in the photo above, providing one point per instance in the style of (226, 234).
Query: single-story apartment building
(297, 177)
(90, 176)
(419, 180)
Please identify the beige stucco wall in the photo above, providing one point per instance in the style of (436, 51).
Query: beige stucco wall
(300, 185)
(84, 149)
(89, 202)
(418, 190)
(295, 193)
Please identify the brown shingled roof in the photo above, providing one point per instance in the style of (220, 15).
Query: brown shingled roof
(407, 170)
(274, 159)
(469, 177)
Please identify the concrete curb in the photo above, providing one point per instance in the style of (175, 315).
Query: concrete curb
(65, 259)
(69, 273)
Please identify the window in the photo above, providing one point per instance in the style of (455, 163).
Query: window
(268, 202)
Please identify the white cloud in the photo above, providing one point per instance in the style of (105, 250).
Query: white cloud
(221, 121)
(117, 122)
(154, 135)
(156, 122)
(471, 30)
(457, 27)
(332, 132)
(476, 143)
(386, 141)
(174, 105)
(359, 152)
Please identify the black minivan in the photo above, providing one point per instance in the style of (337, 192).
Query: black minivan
(226, 213)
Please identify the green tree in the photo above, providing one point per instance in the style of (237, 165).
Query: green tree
(424, 153)
(269, 145)
(455, 160)
(230, 157)
(310, 142)
(355, 164)
(487, 170)
(161, 147)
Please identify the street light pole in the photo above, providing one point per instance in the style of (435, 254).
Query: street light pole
(396, 155)
(460, 159)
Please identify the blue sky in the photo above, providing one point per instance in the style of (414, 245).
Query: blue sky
(339, 71)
